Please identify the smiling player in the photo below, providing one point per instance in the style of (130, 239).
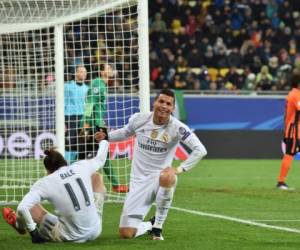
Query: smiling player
(152, 176)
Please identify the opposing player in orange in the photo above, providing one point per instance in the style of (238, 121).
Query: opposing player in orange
(291, 130)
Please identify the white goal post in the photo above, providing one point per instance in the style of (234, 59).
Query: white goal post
(42, 45)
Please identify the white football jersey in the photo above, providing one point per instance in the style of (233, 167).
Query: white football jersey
(69, 190)
(155, 145)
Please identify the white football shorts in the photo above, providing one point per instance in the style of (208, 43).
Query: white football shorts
(139, 201)
(54, 229)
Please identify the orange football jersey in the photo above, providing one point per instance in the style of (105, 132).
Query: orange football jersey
(292, 113)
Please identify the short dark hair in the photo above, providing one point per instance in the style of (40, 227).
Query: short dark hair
(53, 160)
(102, 65)
(167, 92)
(295, 80)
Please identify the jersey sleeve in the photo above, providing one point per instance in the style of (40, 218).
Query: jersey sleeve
(98, 161)
(33, 197)
(125, 132)
(191, 141)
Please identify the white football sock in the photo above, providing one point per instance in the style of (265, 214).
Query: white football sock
(142, 228)
(164, 200)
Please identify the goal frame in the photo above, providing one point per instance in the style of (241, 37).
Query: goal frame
(143, 44)
(58, 25)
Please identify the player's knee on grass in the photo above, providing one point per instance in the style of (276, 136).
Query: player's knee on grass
(167, 178)
(127, 232)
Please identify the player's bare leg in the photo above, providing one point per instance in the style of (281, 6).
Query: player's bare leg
(38, 212)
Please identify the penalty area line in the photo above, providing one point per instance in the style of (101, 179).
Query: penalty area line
(247, 222)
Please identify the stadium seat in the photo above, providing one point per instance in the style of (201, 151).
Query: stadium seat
(213, 72)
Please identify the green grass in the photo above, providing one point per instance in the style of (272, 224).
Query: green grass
(243, 189)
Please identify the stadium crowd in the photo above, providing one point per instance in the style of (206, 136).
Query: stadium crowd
(223, 44)
(213, 45)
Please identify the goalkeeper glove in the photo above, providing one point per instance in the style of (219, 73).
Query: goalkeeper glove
(36, 238)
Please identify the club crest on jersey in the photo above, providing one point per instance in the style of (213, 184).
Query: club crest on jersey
(165, 138)
(154, 134)
(185, 134)
(95, 90)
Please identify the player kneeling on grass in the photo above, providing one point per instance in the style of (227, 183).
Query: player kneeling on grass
(77, 194)
(157, 135)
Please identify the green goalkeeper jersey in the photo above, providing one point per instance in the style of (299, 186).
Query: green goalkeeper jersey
(95, 106)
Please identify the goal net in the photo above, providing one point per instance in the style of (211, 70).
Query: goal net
(68, 68)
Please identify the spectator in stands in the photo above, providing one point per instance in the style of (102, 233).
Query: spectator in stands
(8, 78)
(235, 78)
(264, 80)
(158, 25)
(206, 83)
(284, 57)
(249, 82)
(182, 66)
(179, 82)
(176, 26)
(273, 67)
(191, 27)
(234, 58)
(225, 33)
(251, 33)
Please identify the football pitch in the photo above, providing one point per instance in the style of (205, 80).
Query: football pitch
(220, 204)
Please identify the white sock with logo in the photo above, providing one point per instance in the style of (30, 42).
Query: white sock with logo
(164, 200)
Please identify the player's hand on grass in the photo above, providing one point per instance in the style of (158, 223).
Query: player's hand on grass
(36, 238)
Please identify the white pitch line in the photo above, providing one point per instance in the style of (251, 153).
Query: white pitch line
(276, 220)
(248, 222)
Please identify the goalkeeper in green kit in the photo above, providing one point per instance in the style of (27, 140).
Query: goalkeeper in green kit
(93, 120)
